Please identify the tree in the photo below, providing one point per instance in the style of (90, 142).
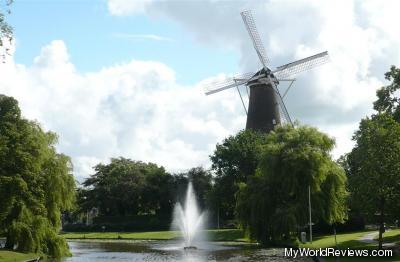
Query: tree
(374, 169)
(127, 187)
(233, 161)
(201, 181)
(273, 204)
(387, 101)
(36, 184)
(6, 31)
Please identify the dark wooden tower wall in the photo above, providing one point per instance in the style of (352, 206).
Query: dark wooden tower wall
(263, 109)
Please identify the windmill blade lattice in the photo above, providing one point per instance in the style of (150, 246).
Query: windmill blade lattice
(255, 37)
(294, 68)
(220, 85)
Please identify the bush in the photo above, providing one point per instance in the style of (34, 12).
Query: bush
(121, 224)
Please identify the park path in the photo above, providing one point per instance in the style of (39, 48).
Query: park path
(370, 239)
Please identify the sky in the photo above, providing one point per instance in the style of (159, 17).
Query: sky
(124, 78)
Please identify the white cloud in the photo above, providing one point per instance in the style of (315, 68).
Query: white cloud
(361, 36)
(135, 110)
(122, 7)
(138, 110)
(138, 37)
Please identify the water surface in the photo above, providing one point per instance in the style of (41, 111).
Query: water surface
(169, 251)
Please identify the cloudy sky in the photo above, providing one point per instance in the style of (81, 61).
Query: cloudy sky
(122, 78)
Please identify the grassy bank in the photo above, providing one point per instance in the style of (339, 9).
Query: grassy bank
(351, 241)
(213, 235)
(10, 256)
(391, 236)
(346, 240)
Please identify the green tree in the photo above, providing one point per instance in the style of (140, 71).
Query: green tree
(127, 187)
(233, 161)
(387, 101)
(6, 31)
(201, 180)
(374, 169)
(273, 204)
(36, 184)
(157, 194)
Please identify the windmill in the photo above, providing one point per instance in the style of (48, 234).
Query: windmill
(266, 107)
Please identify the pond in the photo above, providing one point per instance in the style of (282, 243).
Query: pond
(170, 251)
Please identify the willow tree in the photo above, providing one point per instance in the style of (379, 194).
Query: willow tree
(273, 205)
(233, 162)
(36, 184)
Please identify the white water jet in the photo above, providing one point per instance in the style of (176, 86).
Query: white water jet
(188, 219)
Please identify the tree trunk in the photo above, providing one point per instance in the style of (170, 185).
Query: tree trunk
(9, 242)
(381, 223)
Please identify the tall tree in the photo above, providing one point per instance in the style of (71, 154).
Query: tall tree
(387, 101)
(126, 187)
(374, 169)
(233, 161)
(273, 204)
(201, 180)
(373, 165)
(36, 184)
(6, 31)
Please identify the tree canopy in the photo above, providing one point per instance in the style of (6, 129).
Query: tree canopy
(127, 187)
(373, 166)
(273, 204)
(36, 184)
(374, 169)
(387, 101)
(233, 161)
(6, 31)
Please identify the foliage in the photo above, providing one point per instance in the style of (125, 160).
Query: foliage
(274, 202)
(374, 168)
(36, 184)
(6, 31)
(201, 181)
(127, 187)
(387, 101)
(233, 161)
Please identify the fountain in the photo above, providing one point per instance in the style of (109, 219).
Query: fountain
(188, 219)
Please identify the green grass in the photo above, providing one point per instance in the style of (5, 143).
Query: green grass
(346, 240)
(227, 235)
(213, 235)
(392, 236)
(350, 240)
(10, 256)
(157, 235)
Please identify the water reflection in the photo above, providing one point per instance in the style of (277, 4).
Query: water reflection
(169, 251)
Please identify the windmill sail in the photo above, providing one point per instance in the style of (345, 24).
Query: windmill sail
(218, 86)
(266, 107)
(255, 37)
(301, 65)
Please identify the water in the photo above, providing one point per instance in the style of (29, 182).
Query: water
(120, 250)
(189, 220)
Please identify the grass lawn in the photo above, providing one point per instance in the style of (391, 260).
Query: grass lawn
(350, 240)
(391, 236)
(10, 256)
(158, 235)
(214, 235)
(346, 240)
